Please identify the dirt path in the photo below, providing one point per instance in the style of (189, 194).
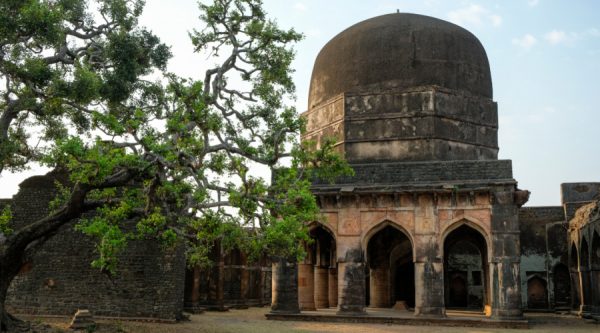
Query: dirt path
(253, 321)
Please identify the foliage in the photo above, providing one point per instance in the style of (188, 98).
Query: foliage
(200, 163)
(59, 57)
(5, 218)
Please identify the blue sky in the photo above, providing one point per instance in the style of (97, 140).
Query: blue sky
(544, 57)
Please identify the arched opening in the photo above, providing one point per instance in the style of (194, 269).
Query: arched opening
(324, 247)
(317, 273)
(595, 266)
(574, 269)
(596, 252)
(391, 275)
(537, 293)
(562, 286)
(465, 269)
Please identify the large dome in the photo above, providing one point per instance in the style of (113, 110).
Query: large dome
(399, 51)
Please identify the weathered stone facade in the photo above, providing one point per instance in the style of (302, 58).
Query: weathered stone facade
(59, 279)
(430, 217)
(584, 246)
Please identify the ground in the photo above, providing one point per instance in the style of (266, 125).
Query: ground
(253, 320)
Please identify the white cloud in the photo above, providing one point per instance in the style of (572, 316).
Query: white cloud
(533, 3)
(474, 15)
(526, 42)
(299, 6)
(555, 37)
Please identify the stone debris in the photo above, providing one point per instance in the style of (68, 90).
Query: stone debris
(82, 320)
(401, 306)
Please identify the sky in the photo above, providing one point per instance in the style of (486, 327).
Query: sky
(544, 57)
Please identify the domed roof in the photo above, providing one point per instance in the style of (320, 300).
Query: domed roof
(398, 51)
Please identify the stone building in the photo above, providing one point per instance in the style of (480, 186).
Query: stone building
(431, 217)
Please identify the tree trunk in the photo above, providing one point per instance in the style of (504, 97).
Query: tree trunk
(8, 323)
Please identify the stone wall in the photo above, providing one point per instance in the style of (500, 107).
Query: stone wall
(59, 279)
(418, 124)
(543, 257)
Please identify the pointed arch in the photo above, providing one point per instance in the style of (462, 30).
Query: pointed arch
(469, 222)
(466, 265)
(380, 226)
(316, 224)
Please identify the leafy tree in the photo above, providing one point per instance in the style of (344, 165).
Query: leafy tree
(180, 157)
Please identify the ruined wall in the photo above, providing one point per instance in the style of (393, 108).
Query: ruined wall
(584, 258)
(544, 251)
(59, 279)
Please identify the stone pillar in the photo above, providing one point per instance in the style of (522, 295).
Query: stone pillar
(351, 284)
(586, 291)
(306, 287)
(596, 290)
(321, 287)
(195, 297)
(575, 288)
(333, 287)
(217, 284)
(506, 291)
(429, 277)
(244, 285)
(284, 286)
(505, 268)
(429, 289)
(379, 285)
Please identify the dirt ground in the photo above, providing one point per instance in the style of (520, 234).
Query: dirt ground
(253, 321)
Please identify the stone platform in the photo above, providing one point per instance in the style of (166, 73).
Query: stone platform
(391, 316)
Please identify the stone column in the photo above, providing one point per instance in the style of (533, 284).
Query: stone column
(586, 290)
(306, 287)
(506, 291)
(195, 297)
(321, 287)
(218, 274)
(284, 286)
(429, 277)
(596, 290)
(505, 268)
(333, 287)
(379, 285)
(244, 285)
(351, 284)
(429, 289)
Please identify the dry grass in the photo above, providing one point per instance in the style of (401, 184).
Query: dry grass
(253, 321)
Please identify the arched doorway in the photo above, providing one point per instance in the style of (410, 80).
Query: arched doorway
(324, 247)
(595, 270)
(537, 293)
(391, 276)
(562, 286)
(317, 273)
(465, 269)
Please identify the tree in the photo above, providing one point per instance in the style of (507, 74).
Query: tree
(181, 157)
